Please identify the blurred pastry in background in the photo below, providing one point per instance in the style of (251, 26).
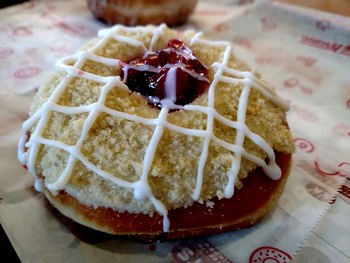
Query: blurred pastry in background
(142, 12)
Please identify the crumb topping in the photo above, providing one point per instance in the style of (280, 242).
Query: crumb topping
(118, 146)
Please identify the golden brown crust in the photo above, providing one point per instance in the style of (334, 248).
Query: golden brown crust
(142, 12)
(244, 209)
(108, 144)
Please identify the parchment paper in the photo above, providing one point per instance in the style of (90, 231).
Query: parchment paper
(303, 53)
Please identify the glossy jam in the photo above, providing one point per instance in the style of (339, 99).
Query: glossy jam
(173, 73)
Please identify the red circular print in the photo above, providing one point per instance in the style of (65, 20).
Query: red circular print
(322, 172)
(291, 82)
(323, 24)
(27, 72)
(5, 52)
(269, 255)
(22, 31)
(304, 145)
(348, 103)
(306, 114)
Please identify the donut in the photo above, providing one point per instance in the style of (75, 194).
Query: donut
(142, 12)
(157, 134)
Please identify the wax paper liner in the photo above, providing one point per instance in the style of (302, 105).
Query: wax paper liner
(329, 241)
(304, 54)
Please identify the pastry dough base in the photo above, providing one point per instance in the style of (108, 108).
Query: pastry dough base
(258, 196)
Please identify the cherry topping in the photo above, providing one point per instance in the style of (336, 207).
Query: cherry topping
(172, 75)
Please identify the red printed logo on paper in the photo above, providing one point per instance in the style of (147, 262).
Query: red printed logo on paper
(5, 52)
(346, 51)
(195, 252)
(62, 50)
(22, 31)
(221, 27)
(323, 24)
(306, 114)
(269, 255)
(294, 82)
(27, 72)
(309, 167)
(346, 94)
(242, 41)
(267, 24)
(345, 191)
(305, 90)
(307, 61)
(74, 28)
(342, 170)
(291, 82)
(304, 145)
(341, 129)
(348, 103)
(318, 192)
(326, 45)
(324, 171)
(263, 60)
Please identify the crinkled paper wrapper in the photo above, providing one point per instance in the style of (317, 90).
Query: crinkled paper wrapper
(303, 53)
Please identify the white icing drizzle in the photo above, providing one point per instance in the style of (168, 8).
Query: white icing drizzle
(142, 188)
(156, 34)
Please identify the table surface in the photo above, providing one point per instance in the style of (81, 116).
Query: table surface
(340, 7)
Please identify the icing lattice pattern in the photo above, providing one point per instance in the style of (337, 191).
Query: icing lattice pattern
(73, 67)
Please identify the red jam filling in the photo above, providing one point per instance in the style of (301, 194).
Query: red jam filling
(171, 75)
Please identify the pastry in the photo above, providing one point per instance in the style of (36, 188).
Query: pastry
(156, 133)
(142, 12)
